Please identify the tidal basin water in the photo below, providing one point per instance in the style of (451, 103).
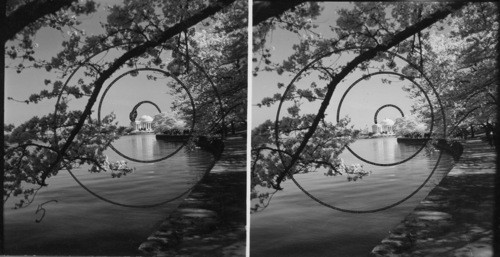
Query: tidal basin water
(295, 225)
(80, 224)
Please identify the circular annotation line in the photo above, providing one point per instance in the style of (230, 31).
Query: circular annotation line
(277, 139)
(133, 114)
(370, 210)
(375, 117)
(402, 76)
(144, 161)
(221, 110)
(207, 171)
(167, 74)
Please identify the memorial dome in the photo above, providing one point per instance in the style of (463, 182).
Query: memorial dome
(146, 118)
(387, 122)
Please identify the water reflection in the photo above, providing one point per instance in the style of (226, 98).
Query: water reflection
(146, 147)
(79, 224)
(387, 150)
(295, 225)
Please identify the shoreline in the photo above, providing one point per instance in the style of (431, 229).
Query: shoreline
(211, 220)
(456, 217)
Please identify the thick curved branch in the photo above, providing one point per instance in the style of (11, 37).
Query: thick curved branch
(263, 10)
(134, 52)
(29, 13)
(365, 56)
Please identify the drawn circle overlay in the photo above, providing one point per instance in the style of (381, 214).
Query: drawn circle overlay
(145, 102)
(277, 138)
(167, 74)
(375, 117)
(387, 73)
(221, 109)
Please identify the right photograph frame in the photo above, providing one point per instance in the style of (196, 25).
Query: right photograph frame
(374, 129)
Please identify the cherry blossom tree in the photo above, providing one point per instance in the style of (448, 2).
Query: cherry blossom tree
(374, 34)
(21, 19)
(405, 127)
(459, 58)
(166, 121)
(138, 34)
(217, 59)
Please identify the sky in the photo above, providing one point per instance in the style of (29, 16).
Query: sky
(120, 99)
(360, 103)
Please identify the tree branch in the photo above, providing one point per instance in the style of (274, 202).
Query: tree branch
(134, 52)
(29, 13)
(365, 56)
(263, 10)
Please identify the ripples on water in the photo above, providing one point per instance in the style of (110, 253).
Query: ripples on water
(295, 225)
(80, 224)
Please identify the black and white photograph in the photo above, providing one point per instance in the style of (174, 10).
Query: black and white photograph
(373, 128)
(124, 127)
(262, 128)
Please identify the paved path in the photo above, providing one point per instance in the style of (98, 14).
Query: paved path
(455, 219)
(211, 220)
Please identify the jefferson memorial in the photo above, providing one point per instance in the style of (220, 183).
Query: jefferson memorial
(143, 124)
(385, 127)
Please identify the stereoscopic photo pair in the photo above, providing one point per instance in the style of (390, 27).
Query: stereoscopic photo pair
(249, 128)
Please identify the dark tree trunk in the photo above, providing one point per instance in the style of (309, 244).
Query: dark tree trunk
(263, 10)
(29, 13)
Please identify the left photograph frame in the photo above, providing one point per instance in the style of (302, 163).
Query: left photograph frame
(125, 127)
